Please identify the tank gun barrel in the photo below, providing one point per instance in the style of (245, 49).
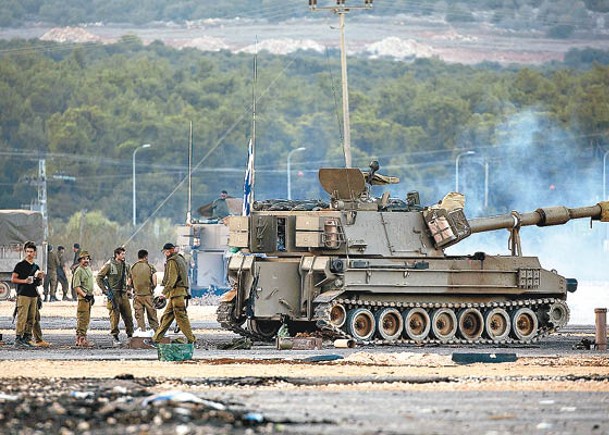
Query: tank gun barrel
(545, 216)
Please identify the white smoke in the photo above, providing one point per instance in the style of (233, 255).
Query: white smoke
(536, 166)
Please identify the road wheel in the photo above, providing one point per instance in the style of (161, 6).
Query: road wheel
(524, 324)
(389, 323)
(444, 324)
(558, 314)
(471, 323)
(338, 315)
(266, 329)
(361, 324)
(417, 324)
(497, 324)
(5, 291)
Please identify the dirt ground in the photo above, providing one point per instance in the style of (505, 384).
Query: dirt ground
(551, 387)
(581, 371)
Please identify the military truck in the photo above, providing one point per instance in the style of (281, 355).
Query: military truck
(17, 227)
(375, 269)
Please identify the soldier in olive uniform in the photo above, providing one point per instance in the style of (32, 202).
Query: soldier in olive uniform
(76, 250)
(116, 274)
(219, 207)
(175, 281)
(144, 281)
(52, 265)
(61, 273)
(28, 276)
(83, 286)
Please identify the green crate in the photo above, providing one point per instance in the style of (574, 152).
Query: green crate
(175, 351)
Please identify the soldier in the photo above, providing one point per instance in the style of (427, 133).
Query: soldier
(52, 265)
(175, 281)
(76, 250)
(61, 273)
(219, 208)
(144, 282)
(27, 275)
(83, 285)
(47, 278)
(114, 278)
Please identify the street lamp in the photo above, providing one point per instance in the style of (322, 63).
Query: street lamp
(465, 153)
(288, 170)
(146, 145)
(605, 175)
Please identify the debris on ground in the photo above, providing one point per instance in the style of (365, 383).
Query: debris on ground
(114, 406)
(236, 343)
(585, 344)
(477, 357)
(322, 358)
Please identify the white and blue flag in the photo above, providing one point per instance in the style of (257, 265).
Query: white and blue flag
(248, 194)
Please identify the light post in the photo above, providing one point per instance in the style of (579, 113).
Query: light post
(605, 175)
(289, 169)
(464, 153)
(146, 145)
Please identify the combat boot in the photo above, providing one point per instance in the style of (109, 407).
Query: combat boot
(21, 342)
(151, 343)
(42, 343)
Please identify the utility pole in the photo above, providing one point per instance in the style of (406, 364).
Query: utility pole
(42, 194)
(341, 9)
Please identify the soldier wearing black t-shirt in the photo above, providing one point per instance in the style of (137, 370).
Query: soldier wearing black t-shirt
(27, 275)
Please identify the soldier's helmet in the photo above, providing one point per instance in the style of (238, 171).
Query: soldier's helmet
(159, 302)
(83, 254)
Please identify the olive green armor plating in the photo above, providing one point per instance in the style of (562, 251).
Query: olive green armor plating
(374, 269)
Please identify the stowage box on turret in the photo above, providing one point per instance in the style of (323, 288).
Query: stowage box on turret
(374, 269)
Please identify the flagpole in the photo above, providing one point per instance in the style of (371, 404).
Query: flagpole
(250, 171)
(255, 81)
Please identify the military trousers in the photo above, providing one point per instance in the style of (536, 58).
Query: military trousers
(83, 317)
(143, 307)
(73, 291)
(175, 309)
(36, 330)
(27, 308)
(123, 310)
(64, 284)
(52, 288)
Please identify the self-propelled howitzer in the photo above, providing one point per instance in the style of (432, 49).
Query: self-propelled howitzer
(375, 270)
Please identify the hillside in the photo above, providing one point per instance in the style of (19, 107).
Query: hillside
(399, 37)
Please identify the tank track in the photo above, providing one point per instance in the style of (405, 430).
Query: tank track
(227, 320)
(322, 314)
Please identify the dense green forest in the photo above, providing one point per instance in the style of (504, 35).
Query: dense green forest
(85, 109)
(558, 17)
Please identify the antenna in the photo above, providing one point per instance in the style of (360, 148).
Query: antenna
(189, 205)
(341, 9)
